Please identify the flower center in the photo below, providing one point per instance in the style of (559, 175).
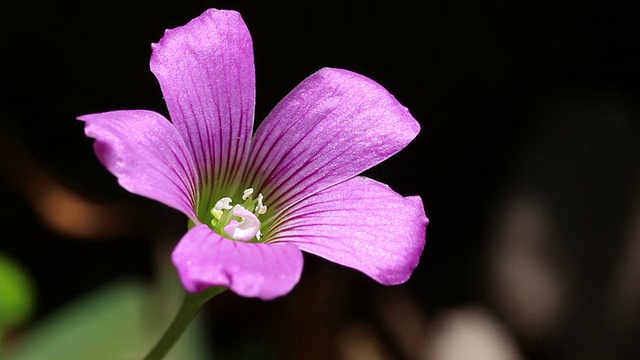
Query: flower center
(240, 221)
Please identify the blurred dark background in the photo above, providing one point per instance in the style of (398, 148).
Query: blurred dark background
(527, 164)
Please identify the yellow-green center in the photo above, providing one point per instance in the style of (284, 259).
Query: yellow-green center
(239, 221)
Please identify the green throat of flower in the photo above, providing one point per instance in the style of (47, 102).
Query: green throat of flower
(239, 221)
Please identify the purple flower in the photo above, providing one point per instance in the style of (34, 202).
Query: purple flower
(256, 201)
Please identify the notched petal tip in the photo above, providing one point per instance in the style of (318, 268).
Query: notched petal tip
(415, 234)
(207, 24)
(206, 73)
(361, 224)
(331, 127)
(387, 102)
(146, 154)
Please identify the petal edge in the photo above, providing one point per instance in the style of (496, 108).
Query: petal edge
(146, 154)
(331, 127)
(361, 224)
(207, 77)
(205, 259)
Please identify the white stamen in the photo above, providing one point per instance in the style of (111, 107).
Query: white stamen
(247, 228)
(260, 208)
(222, 204)
(246, 194)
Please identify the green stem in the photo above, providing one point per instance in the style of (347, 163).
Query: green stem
(190, 307)
(1, 342)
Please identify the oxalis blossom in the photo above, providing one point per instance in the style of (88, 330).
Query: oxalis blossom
(255, 202)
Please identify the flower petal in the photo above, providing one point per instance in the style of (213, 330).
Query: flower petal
(147, 155)
(331, 127)
(207, 77)
(205, 259)
(362, 224)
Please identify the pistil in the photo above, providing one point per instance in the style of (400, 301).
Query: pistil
(240, 221)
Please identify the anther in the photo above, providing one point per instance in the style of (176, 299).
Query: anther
(260, 208)
(222, 204)
(246, 194)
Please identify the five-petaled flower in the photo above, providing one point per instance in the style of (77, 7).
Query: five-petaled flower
(254, 202)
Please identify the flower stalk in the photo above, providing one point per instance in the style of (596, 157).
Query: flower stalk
(190, 307)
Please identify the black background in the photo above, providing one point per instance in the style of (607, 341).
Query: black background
(484, 79)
